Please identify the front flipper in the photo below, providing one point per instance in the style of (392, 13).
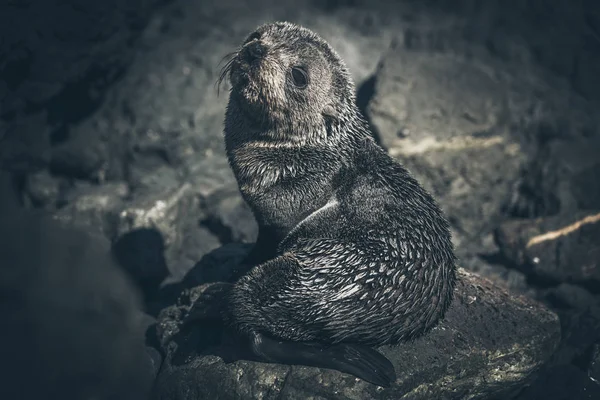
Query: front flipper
(360, 361)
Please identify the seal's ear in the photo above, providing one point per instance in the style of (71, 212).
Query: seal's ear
(330, 111)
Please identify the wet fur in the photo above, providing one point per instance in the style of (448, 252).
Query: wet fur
(351, 248)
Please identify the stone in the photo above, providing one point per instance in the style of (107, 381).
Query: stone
(218, 265)
(10, 195)
(490, 344)
(594, 365)
(210, 175)
(52, 64)
(82, 158)
(69, 313)
(156, 359)
(166, 210)
(562, 248)
(579, 334)
(42, 189)
(443, 114)
(93, 207)
(228, 215)
(141, 253)
(25, 143)
(563, 382)
(197, 242)
(561, 175)
(569, 295)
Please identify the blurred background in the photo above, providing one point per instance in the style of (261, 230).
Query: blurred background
(111, 144)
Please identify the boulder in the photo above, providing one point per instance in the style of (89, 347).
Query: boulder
(490, 344)
(444, 115)
(485, 134)
(72, 328)
(563, 248)
(94, 208)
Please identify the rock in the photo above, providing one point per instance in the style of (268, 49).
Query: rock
(69, 313)
(428, 96)
(489, 345)
(42, 189)
(569, 295)
(167, 210)
(155, 358)
(25, 142)
(230, 217)
(563, 248)
(94, 207)
(564, 382)
(594, 365)
(579, 334)
(81, 158)
(141, 253)
(211, 175)
(445, 116)
(562, 176)
(10, 197)
(197, 242)
(146, 174)
(50, 64)
(577, 166)
(218, 265)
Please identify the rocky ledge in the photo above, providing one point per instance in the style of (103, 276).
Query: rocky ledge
(490, 344)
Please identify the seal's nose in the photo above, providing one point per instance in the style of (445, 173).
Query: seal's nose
(255, 50)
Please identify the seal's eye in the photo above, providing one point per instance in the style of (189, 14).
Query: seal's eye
(299, 77)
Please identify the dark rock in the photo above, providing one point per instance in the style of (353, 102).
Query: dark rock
(141, 253)
(564, 248)
(489, 344)
(214, 265)
(69, 314)
(563, 382)
(218, 265)
(9, 196)
(25, 143)
(81, 158)
(594, 365)
(45, 57)
(561, 176)
(580, 331)
(155, 358)
(570, 295)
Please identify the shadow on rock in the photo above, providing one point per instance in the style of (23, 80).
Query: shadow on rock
(141, 253)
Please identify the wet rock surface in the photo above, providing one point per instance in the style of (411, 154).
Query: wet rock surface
(110, 121)
(490, 344)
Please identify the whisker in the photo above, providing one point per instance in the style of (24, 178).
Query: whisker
(228, 55)
(225, 70)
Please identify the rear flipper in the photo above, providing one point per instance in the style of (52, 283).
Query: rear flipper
(360, 361)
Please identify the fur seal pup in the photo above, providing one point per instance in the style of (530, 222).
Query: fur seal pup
(352, 252)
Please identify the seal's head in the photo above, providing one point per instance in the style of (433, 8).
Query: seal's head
(285, 78)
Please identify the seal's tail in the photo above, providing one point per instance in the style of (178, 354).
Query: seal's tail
(360, 361)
